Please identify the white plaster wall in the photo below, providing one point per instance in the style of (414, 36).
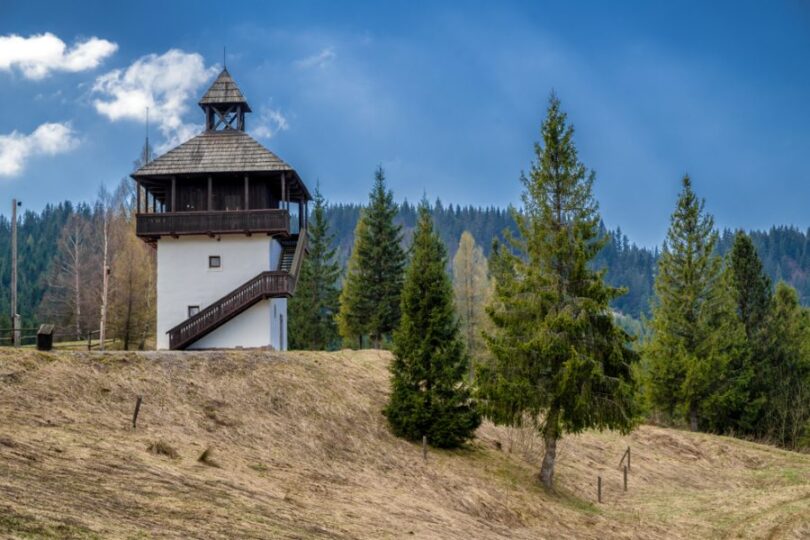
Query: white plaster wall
(251, 328)
(184, 279)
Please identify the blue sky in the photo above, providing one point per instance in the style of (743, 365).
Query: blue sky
(447, 97)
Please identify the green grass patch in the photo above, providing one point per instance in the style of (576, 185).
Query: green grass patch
(22, 526)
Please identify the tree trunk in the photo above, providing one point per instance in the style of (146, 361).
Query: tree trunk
(76, 287)
(550, 436)
(105, 281)
(693, 417)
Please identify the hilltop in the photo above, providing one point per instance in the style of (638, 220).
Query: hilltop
(298, 448)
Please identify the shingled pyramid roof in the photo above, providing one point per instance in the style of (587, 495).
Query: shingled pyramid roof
(229, 150)
(224, 91)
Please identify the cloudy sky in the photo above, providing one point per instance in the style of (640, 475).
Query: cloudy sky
(448, 99)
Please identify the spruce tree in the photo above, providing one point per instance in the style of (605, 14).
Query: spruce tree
(696, 333)
(559, 359)
(428, 394)
(749, 373)
(315, 304)
(787, 412)
(752, 287)
(351, 319)
(374, 282)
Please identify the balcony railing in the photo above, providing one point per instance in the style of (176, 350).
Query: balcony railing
(272, 221)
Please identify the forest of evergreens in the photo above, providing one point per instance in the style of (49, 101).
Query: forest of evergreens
(784, 250)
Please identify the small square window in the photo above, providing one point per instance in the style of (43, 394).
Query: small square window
(214, 261)
(193, 310)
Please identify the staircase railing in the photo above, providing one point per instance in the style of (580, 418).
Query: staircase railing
(265, 285)
(298, 257)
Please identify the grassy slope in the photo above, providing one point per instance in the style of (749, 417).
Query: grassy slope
(301, 450)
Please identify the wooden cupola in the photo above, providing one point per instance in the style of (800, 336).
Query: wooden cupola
(224, 105)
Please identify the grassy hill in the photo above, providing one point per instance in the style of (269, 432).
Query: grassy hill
(298, 448)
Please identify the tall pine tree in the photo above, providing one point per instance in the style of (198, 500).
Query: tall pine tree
(429, 396)
(370, 301)
(559, 358)
(315, 304)
(696, 333)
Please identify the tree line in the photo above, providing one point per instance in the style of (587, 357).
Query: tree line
(784, 251)
(81, 268)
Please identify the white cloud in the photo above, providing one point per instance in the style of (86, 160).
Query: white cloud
(163, 83)
(48, 139)
(269, 122)
(317, 60)
(38, 55)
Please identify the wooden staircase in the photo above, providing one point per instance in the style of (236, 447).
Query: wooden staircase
(287, 255)
(278, 283)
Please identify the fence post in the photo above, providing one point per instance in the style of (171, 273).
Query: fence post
(137, 409)
(625, 477)
(424, 448)
(89, 337)
(17, 332)
(599, 489)
(628, 458)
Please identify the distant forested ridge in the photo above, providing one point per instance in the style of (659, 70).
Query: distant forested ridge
(785, 251)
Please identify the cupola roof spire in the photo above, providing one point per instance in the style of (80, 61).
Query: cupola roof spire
(224, 105)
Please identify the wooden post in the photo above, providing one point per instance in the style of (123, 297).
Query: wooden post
(89, 342)
(628, 458)
(424, 448)
(247, 194)
(137, 409)
(174, 193)
(300, 214)
(137, 197)
(599, 489)
(15, 320)
(283, 200)
(625, 477)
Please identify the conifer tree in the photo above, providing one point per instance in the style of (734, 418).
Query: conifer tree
(696, 333)
(559, 359)
(472, 290)
(374, 283)
(787, 414)
(752, 287)
(428, 396)
(750, 372)
(315, 304)
(351, 319)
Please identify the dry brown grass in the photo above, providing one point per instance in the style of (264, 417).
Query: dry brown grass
(303, 452)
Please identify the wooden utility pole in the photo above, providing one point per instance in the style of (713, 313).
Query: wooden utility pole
(105, 278)
(15, 318)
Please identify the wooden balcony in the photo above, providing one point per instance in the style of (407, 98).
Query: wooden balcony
(270, 221)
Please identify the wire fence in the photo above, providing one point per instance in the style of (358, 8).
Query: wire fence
(63, 338)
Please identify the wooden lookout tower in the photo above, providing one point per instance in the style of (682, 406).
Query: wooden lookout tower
(228, 219)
